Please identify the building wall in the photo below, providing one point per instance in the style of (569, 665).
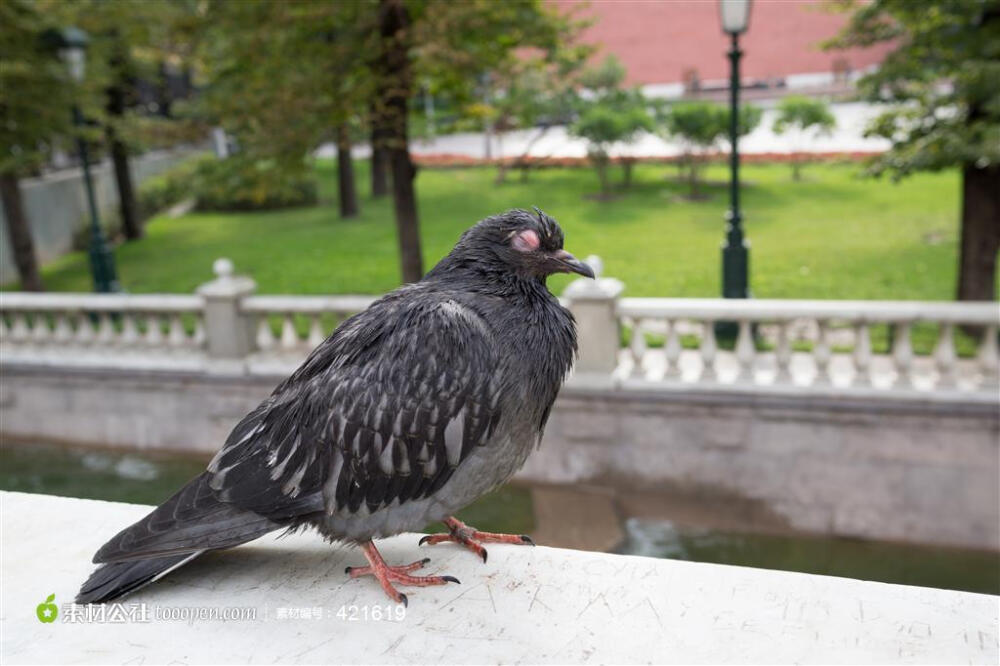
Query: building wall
(659, 41)
(56, 205)
(880, 468)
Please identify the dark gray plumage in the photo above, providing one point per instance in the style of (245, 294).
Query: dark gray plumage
(408, 412)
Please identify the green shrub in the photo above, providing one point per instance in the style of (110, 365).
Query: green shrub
(236, 183)
(111, 225)
(242, 183)
(163, 190)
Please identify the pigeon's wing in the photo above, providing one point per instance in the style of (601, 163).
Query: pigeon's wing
(384, 411)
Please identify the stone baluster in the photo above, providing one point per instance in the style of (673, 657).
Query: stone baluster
(265, 336)
(176, 336)
(862, 354)
(672, 351)
(289, 336)
(944, 357)
(783, 354)
(902, 355)
(154, 335)
(130, 331)
(315, 331)
(822, 354)
(745, 353)
(63, 332)
(988, 358)
(198, 338)
(105, 329)
(85, 332)
(638, 347)
(19, 330)
(708, 349)
(40, 332)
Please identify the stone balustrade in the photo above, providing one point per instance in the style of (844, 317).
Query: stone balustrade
(321, 314)
(807, 398)
(817, 346)
(153, 321)
(807, 343)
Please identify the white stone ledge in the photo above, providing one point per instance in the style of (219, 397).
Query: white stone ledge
(535, 605)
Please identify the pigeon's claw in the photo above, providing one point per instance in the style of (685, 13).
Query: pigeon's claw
(387, 574)
(472, 538)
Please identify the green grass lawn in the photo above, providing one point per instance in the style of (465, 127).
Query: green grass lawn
(833, 236)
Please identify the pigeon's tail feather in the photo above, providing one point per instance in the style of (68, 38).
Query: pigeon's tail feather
(116, 579)
(192, 520)
(176, 532)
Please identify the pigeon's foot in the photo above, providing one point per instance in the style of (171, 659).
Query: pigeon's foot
(387, 575)
(472, 538)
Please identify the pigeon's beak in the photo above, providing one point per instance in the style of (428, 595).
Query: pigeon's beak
(570, 264)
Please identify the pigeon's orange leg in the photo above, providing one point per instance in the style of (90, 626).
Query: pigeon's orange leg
(472, 538)
(387, 575)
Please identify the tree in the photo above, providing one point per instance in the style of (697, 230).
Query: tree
(451, 45)
(284, 77)
(129, 41)
(346, 187)
(533, 93)
(347, 88)
(610, 121)
(609, 116)
(274, 91)
(379, 160)
(701, 126)
(34, 109)
(393, 87)
(808, 118)
(120, 94)
(941, 82)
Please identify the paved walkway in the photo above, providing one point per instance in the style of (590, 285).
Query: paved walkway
(556, 142)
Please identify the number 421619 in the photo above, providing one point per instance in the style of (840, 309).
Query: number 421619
(389, 613)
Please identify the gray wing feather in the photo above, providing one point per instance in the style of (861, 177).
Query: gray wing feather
(383, 411)
(193, 519)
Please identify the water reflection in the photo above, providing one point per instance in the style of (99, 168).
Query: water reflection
(950, 568)
(149, 478)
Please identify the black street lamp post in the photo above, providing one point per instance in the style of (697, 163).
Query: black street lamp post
(735, 15)
(71, 45)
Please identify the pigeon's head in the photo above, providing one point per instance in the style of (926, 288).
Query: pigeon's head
(527, 244)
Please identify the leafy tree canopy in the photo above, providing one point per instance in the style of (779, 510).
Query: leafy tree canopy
(609, 114)
(803, 114)
(612, 118)
(35, 91)
(941, 79)
(607, 76)
(130, 40)
(705, 124)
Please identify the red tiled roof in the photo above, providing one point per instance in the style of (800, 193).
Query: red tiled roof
(659, 40)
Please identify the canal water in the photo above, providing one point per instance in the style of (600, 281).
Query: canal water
(148, 478)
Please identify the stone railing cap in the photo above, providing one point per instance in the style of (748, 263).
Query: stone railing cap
(599, 289)
(226, 284)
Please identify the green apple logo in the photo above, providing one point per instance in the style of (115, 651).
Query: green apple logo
(47, 611)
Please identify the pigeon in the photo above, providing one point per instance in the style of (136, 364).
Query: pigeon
(408, 412)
